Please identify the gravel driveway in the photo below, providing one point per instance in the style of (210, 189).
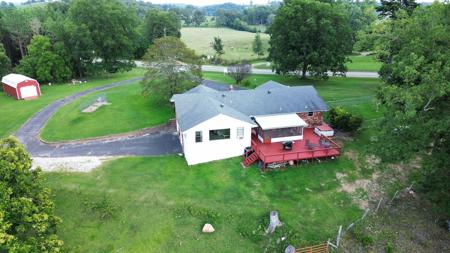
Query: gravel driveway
(158, 143)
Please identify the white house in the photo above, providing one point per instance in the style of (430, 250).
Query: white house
(274, 122)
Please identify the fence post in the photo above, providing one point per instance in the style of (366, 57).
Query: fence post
(395, 195)
(378, 206)
(338, 236)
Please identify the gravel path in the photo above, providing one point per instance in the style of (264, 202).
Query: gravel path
(156, 143)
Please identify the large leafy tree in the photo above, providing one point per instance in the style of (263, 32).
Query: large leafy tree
(198, 17)
(416, 95)
(159, 24)
(45, 62)
(17, 24)
(389, 8)
(110, 25)
(5, 63)
(174, 69)
(310, 36)
(76, 38)
(27, 220)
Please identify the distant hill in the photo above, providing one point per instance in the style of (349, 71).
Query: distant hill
(210, 10)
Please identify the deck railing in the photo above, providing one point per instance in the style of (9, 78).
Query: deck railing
(295, 155)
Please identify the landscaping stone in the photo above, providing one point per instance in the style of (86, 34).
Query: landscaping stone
(208, 228)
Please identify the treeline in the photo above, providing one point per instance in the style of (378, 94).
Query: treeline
(57, 41)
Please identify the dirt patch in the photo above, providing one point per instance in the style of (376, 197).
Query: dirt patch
(361, 186)
(70, 164)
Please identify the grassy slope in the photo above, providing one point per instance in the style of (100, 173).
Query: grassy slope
(161, 205)
(14, 113)
(128, 111)
(238, 44)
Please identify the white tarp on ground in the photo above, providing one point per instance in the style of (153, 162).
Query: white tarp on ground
(14, 79)
(280, 121)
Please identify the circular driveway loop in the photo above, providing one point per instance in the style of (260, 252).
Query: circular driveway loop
(160, 143)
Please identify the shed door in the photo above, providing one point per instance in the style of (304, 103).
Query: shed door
(28, 91)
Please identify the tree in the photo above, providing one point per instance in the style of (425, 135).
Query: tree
(310, 36)
(45, 62)
(198, 17)
(17, 23)
(5, 63)
(239, 71)
(389, 8)
(416, 97)
(174, 69)
(159, 24)
(217, 45)
(111, 26)
(257, 45)
(27, 220)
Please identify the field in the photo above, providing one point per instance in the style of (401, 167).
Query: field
(160, 205)
(358, 63)
(14, 113)
(128, 111)
(237, 44)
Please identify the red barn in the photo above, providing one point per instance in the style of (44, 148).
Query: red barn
(20, 86)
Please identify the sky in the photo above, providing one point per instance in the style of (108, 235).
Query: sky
(200, 2)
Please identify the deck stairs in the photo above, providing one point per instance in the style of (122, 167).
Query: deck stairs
(249, 160)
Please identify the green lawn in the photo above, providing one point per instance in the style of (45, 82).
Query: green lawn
(128, 111)
(358, 63)
(160, 205)
(237, 44)
(13, 113)
(363, 63)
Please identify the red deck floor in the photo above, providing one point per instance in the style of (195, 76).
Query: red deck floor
(274, 152)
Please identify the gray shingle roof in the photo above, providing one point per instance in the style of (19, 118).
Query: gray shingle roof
(194, 108)
(271, 85)
(219, 86)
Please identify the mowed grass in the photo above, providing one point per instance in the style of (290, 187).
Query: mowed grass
(129, 110)
(363, 63)
(237, 44)
(357, 63)
(160, 204)
(13, 113)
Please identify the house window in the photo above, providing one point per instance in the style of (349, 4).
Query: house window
(198, 136)
(240, 133)
(310, 114)
(219, 134)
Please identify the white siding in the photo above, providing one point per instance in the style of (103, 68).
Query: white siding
(216, 149)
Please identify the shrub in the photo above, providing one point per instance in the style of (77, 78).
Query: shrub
(344, 120)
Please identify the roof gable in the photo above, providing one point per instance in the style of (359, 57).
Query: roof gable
(14, 79)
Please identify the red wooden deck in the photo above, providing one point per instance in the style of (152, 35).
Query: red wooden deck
(274, 152)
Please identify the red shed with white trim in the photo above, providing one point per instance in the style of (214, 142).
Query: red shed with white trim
(20, 86)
